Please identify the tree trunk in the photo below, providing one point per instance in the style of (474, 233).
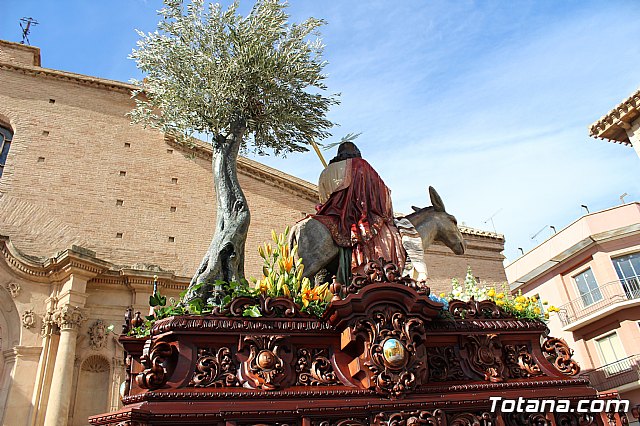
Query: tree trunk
(224, 260)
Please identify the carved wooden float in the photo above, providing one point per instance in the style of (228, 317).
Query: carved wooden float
(383, 354)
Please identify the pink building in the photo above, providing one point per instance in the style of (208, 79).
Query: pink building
(591, 271)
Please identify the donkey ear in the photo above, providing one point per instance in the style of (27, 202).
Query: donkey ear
(416, 209)
(436, 201)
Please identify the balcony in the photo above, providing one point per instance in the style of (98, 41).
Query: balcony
(615, 375)
(600, 298)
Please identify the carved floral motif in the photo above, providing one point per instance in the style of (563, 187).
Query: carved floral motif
(341, 422)
(68, 317)
(474, 309)
(381, 271)
(314, 368)
(444, 365)
(559, 354)
(519, 362)
(156, 362)
(214, 369)
(28, 319)
(268, 363)
(393, 354)
(97, 335)
(482, 354)
(434, 418)
(14, 289)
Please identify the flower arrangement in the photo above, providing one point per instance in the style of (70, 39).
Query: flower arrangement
(518, 305)
(282, 276)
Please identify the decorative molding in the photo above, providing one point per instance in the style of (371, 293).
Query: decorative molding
(95, 364)
(612, 125)
(482, 355)
(382, 271)
(156, 358)
(444, 364)
(13, 288)
(559, 354)
(28, 319)
(520, 363)
(394, 361)
(314, 368)
(215, 368)
(68, 317)
(97, 335)
(267, 365)
(213, 324)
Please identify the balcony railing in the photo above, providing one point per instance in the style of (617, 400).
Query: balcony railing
(616, 374)
(599, 298)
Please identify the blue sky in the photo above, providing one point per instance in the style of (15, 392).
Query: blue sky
(487, 101)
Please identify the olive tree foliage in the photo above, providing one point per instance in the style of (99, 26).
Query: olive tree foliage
(253, 82)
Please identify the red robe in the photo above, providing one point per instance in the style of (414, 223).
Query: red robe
(360, 216)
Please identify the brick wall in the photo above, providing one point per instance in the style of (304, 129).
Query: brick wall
(79, 173)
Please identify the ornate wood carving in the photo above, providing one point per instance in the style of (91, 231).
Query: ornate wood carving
(380, 271)
(575, 419)
(269, 307)
(393, 352)
(519, 362)
(215, 368)
(341, 422)
(525, 419)
(157, 362)
(313, 368)
(482, 354)
(559, 354)
(411, 418)
(268, 363)
(444, 364)
(473, 309)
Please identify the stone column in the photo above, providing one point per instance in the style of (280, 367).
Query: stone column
(68, 318)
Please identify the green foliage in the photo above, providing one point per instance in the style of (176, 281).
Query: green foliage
(208, 70)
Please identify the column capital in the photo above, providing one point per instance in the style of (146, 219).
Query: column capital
(68, 317)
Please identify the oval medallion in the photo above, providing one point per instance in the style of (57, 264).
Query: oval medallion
(394, 352)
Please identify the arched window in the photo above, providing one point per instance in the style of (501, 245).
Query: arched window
(6, 136)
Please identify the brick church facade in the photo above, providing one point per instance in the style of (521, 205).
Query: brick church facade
(91, 208)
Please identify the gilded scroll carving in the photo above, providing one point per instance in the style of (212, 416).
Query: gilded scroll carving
(214, 368)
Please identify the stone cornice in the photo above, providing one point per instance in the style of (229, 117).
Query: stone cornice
(75, 260)
(100, 83)
(613, 126)
(254, 169)
(35, 51)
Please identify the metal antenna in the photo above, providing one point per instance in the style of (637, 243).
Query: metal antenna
(533, 237)
(26, 29)
(622, 198)
(491, 219)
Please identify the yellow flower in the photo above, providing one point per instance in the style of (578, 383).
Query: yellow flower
(521, 299)
(492, 292)
(500, 296)
(536, 311)
(285, 291)
(500, 302)
(519, 307)
(553, 309)
(442, 294)
(263, 286)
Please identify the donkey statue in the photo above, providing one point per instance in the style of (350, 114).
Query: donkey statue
(318, 251)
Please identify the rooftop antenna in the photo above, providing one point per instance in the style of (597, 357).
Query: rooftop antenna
(521, 251)
(533, 237)
(491, 219)
(25, 24)
(622, 198)
(585, 207)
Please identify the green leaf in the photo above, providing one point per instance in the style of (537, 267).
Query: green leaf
(252, 311)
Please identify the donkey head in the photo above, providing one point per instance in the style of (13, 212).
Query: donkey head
(435, 224)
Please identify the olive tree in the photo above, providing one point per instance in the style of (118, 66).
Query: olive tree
(248, 82)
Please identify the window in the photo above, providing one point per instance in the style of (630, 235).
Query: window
(588, 288)
(6, 136)
(628, 269)
(611, 352)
